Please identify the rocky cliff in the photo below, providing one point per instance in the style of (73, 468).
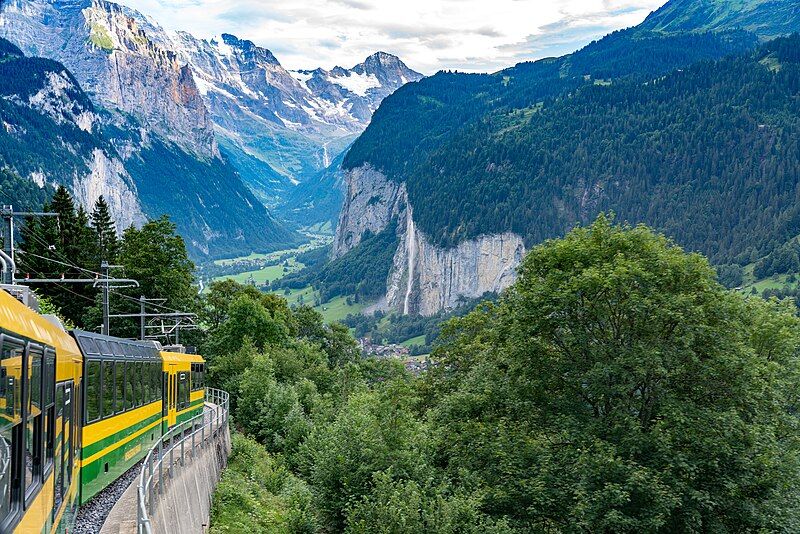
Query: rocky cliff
(150, 124)
(51, 136)
(424, 278)
(282, 127)
(117, 63)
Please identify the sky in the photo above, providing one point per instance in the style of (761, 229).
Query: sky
(428, 35)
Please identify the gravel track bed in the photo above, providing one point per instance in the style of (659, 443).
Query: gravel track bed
(92, 515)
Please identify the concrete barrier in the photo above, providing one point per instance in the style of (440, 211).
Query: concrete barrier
(180, 473)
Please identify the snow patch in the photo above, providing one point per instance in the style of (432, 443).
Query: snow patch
(356, 83)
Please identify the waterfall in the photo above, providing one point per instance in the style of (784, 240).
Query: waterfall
(411, 240)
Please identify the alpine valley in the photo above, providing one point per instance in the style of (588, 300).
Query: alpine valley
(688, 122)
(212, 132)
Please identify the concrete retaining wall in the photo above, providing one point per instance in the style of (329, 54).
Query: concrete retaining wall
(184, 507)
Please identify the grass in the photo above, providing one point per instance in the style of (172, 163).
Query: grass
(100, 38)
(776, 281)
(419, 340)
(325, 228)
(265, 274)
(337, 309)
(317, 240)
(332, 311)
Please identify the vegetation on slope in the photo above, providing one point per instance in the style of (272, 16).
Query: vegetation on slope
(362, 272)
(616, 387)
(682, 152)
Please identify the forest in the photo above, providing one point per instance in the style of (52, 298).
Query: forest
(616, 387)
(706, 153)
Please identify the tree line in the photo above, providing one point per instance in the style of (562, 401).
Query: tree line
(75, 243)
(616, 387)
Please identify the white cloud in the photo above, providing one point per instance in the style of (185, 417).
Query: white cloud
(472, 35)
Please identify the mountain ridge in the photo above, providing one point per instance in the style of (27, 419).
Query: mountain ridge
(471, 164)
(150, 111)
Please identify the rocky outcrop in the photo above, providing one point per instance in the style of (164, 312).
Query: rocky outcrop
(370, 203)
(109, 178)
(424, 278)
(116, 62)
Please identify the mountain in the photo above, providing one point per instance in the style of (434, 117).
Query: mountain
(767, 19)
(282, 126)
(318, 200)
(153, 115)
(473, 169)
(51, 135)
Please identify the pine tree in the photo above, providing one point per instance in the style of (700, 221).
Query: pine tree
(105, 230)
(63, 245)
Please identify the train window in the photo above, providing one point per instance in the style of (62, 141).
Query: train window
(139, 384)
(48, 401)
(183, 390)
(108, 388)
(49, 376)
(129, 380)
(153, 379)
(152, 385)
(119, 387)
(69, 441)
(33, 423)
(11, 354)
(104, 348)
(145, 382)
(116, 348)
(92, 391)
(35, 356)
(89, 346)
(46, 443)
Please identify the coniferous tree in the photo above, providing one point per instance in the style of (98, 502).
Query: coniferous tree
(61, 246)
(103, 225)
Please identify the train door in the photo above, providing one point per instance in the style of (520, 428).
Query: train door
(172, 395)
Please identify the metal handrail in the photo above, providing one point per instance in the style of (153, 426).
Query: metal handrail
(202, 429)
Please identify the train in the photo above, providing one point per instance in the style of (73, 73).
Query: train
(77, 410)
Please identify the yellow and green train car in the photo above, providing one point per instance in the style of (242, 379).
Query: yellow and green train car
(77, 411)
(40, 377)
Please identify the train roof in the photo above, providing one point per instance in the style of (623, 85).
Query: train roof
(16, 318)
(176, 357)
(97, 346)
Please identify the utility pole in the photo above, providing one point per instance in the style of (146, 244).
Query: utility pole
(106, 308)
(143, 314)
(8, 257)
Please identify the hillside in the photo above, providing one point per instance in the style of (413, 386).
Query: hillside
(52, 136)
(681, 153)
(767, 19)
(469, 163)
(143, 112)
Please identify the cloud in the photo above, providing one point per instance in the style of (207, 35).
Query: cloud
(429, 35)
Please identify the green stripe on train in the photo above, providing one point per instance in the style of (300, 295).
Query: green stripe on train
(94, 476)
(109, 440)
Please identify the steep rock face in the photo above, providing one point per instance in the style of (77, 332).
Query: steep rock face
(116, 62)
(51, 137)
(149, 115)
(424, 279)
(282, 127)
(370, 203)
(109, 178)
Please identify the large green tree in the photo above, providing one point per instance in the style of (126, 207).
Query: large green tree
(619, 388)
(58, 246)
